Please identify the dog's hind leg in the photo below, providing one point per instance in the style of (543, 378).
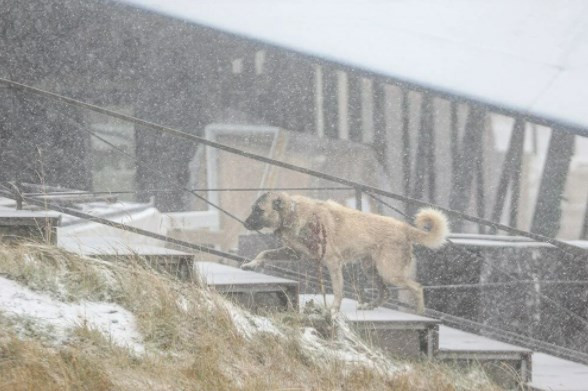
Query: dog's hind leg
(383, 294)
(393, 266)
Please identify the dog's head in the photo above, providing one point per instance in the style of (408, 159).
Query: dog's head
(267, 211)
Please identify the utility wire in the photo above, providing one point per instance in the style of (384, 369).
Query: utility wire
(566, 247)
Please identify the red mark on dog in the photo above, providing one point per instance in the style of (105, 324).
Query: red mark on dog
(314, 237)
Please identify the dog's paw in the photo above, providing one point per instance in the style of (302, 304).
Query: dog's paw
(249, 265)
(366, 306)
(335, 313)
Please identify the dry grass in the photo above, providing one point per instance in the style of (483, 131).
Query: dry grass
(191, 341)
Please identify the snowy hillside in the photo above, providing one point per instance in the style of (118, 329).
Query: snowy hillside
(69, 321)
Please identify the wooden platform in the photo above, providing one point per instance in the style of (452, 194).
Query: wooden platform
(253, 290)
(555, 374)
(176, 263)
(399, 333)
(506, 364)
(35, 226)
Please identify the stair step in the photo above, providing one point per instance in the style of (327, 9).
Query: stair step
(176, 263)
(556, 374)
(506, 364)
(38, 226)
(399, 333)
(253, 290)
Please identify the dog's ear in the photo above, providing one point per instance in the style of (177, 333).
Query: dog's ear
(278, 204)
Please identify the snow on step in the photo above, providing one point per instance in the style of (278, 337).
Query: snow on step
(175, 262)
(555, 374)
(499, 359)
(38, 226)
(253, 290)
(397, 332)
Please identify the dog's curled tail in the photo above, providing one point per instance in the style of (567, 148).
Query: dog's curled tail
(432, 228)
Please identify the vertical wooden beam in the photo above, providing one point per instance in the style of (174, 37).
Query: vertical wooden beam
(480, 191)
(511, 171)
(455, 147)
(546, 220)
(406, 144)
(330, 101)
(423, 159)
(470, 153)
(380, 124)
(517, 166)
(432, 184)
(584, 234)
(355, 107)
(319, 119)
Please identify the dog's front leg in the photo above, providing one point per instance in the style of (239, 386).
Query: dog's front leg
(336, 273)
(282, 253)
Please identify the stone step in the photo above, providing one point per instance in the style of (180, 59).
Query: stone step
(508, 365)
(37, 226)
(255, 291)
(399, 333)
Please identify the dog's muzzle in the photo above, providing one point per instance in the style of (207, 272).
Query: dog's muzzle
(252, 225)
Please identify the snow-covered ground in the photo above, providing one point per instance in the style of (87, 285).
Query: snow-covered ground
(56, 319)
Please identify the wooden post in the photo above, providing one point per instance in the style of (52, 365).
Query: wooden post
(330, 101)
(469, 156)
(355, 107)
(455, 147)
(406, 144)
(584, 234)
(380, 125)
(511, 171)
(425, 159)
(546, 220)
(480, 191)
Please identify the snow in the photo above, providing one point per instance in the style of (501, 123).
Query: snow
(529, 55)
(58, 318)
(249, 325)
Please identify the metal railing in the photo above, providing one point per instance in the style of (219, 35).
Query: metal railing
(359, 189)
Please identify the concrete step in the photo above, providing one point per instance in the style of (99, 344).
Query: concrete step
(255, 291)
(399, 333)
(37, 226)
(176, 263)
(508, 365)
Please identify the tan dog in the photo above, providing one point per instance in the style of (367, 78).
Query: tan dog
(330, 233)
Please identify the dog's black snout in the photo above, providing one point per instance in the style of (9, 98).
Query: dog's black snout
(247, 225)
(251, 224)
